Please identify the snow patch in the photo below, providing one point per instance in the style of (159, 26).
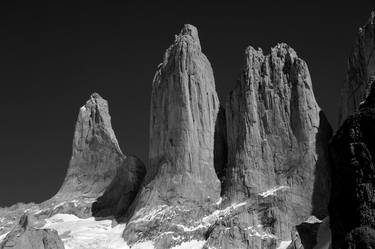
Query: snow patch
(313, 219)
(272, 191)
(87, 233)
(190, 229)
(262, 234)
(284, 244)
(221, 213)
(2, 237)
(193, 244)
(219, 201)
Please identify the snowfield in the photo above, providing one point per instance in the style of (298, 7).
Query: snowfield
(89, 233)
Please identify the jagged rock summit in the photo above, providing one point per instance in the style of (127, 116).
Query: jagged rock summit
(360, 70)
(96, 154)
(277, 133)
(278, 166)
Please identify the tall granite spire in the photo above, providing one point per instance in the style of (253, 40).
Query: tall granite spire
(96, 154)
(277, 134)
(184, 106)
(181, 177)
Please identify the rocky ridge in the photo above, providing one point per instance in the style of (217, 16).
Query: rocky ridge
(253, 174)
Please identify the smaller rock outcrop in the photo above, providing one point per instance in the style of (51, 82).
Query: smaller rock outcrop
(96, 154)
(24, 236)
(360, 70)
(122, 190)
(308, 232)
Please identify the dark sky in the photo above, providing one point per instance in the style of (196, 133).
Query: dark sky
(52, 57)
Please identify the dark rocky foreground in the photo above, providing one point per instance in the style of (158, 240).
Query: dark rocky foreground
(260, 171)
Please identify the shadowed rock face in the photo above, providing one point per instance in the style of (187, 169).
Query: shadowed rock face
(96, 154)
(122, 190)
(277, 134)
(360, 70)
(352, 204)
(221, 145)
(25, 237)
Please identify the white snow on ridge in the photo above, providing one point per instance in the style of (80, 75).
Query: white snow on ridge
(313, 219)
(262, 234)
(221, 213)
(2, 237)
(193, 244)
(272, 191)
(284, 244)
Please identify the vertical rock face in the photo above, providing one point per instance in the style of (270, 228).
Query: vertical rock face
(181, 179)
(184, 106)
(24, 236)
(96, 154)
(352, 204)
(360, 70)
(277, 134)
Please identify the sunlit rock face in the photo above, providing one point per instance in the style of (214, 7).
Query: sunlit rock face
(184, 106)
(360, 70)
(181, 176)
(277, 152)
(96, 154)
(277, 134)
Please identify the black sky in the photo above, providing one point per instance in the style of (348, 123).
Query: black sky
(53, 56)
